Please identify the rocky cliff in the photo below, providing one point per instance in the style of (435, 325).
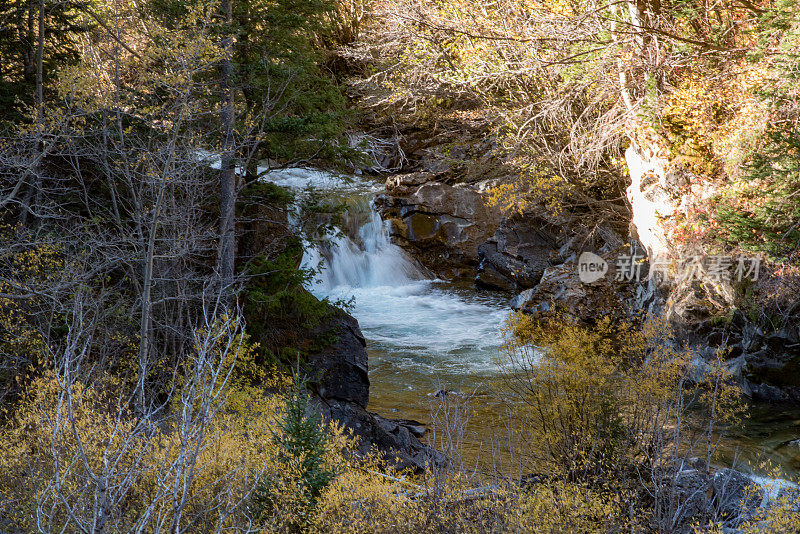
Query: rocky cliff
(454, 230)
(706, 303)
(441, 224)
(340, 381)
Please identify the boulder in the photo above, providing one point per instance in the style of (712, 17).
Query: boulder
(561, 289)
(691, 487)
(736, 496)
(518, 253)
(338, 376)
(396, 440)
(441, 224)
(339, 371)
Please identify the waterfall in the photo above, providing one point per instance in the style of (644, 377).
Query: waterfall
(369, 261)
(422, 334)
(411, 321)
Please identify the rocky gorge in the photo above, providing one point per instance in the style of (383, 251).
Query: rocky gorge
(454, 231)
(432, 224)
(530, 261)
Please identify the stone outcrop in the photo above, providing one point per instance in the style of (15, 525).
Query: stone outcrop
(705, 308)
(540, 253)
(397, 440)
(526, 245)
(561, 289)
(339, 371)
(338, 376)
(518, 253)
(441, 224)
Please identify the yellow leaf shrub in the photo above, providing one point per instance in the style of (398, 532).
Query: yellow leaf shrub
(715, 122)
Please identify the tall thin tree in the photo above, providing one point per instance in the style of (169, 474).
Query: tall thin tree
(227, 244)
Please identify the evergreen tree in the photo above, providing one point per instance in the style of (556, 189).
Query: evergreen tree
(764, 216)
(62, 22)
(301, 441)
(279, 61)
(289, 107)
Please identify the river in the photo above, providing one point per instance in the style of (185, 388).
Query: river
(426, 335)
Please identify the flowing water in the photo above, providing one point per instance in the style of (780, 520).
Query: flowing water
(426, 335)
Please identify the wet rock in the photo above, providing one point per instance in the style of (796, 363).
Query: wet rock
(397, 440)
(339, 371)
(522, 300)
(736, 496)
(518, 253)
(415, 427)
(441, 224)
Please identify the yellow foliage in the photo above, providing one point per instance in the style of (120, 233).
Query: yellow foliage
(67, 437)
(601, 400)
(25, 270)
(718, 120)
(530, 190)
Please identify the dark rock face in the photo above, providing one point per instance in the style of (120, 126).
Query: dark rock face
(540, 253)
(339, 371)
(736, 497)
(441, 224)
(518, 253)
(338, 374)
(398, 441)
(561, 289)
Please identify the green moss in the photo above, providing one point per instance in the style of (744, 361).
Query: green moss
(267, 192)
(281, 314)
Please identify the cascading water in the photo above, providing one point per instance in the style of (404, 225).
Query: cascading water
(371, 260)
(409, 318)
(422, 333)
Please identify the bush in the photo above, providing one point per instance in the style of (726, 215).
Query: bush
(607, 406)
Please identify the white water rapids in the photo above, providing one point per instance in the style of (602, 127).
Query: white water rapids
(410, 319)
(422, 333)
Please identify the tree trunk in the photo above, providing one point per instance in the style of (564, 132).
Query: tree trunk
(145, 321)
(227, 244)
(27, 199)
(39, 62)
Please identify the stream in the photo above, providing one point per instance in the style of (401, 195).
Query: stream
(426, 335)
